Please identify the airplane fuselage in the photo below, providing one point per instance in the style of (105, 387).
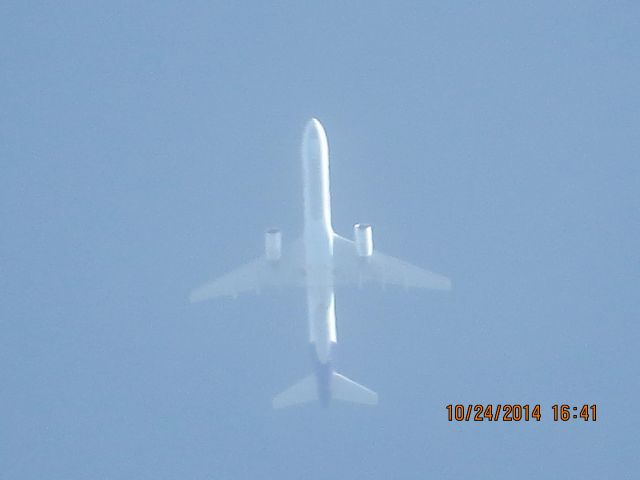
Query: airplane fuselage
(318, 239)
(326, 260)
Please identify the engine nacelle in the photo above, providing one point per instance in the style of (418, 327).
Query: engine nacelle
(363, 238)
(273, 244)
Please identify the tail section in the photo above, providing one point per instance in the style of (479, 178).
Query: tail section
(306, 390)
(340, 387)
(345, 389)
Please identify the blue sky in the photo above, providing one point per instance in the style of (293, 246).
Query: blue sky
(147, 146)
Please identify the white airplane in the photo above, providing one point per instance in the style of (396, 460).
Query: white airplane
(319, 261)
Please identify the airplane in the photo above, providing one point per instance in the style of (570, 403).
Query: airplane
(319, 261)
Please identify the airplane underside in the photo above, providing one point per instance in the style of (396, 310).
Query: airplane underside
(319, 261)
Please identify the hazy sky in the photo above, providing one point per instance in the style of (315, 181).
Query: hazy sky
(145, 148)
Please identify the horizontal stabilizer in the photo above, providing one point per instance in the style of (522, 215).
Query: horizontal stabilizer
(342, 388)
(306, 390)
(347, 390)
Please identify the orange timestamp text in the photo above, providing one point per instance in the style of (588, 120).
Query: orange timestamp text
(516, 412)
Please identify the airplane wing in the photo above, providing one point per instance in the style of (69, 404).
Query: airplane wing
(256, 275)
(350, 269)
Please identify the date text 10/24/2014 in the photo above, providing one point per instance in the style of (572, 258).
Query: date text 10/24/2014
(515, 412)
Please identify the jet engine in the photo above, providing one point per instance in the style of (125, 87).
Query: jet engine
(363, 238)
(273, 244)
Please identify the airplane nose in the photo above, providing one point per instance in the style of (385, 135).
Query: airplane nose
(314, 129)
(311, 125)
